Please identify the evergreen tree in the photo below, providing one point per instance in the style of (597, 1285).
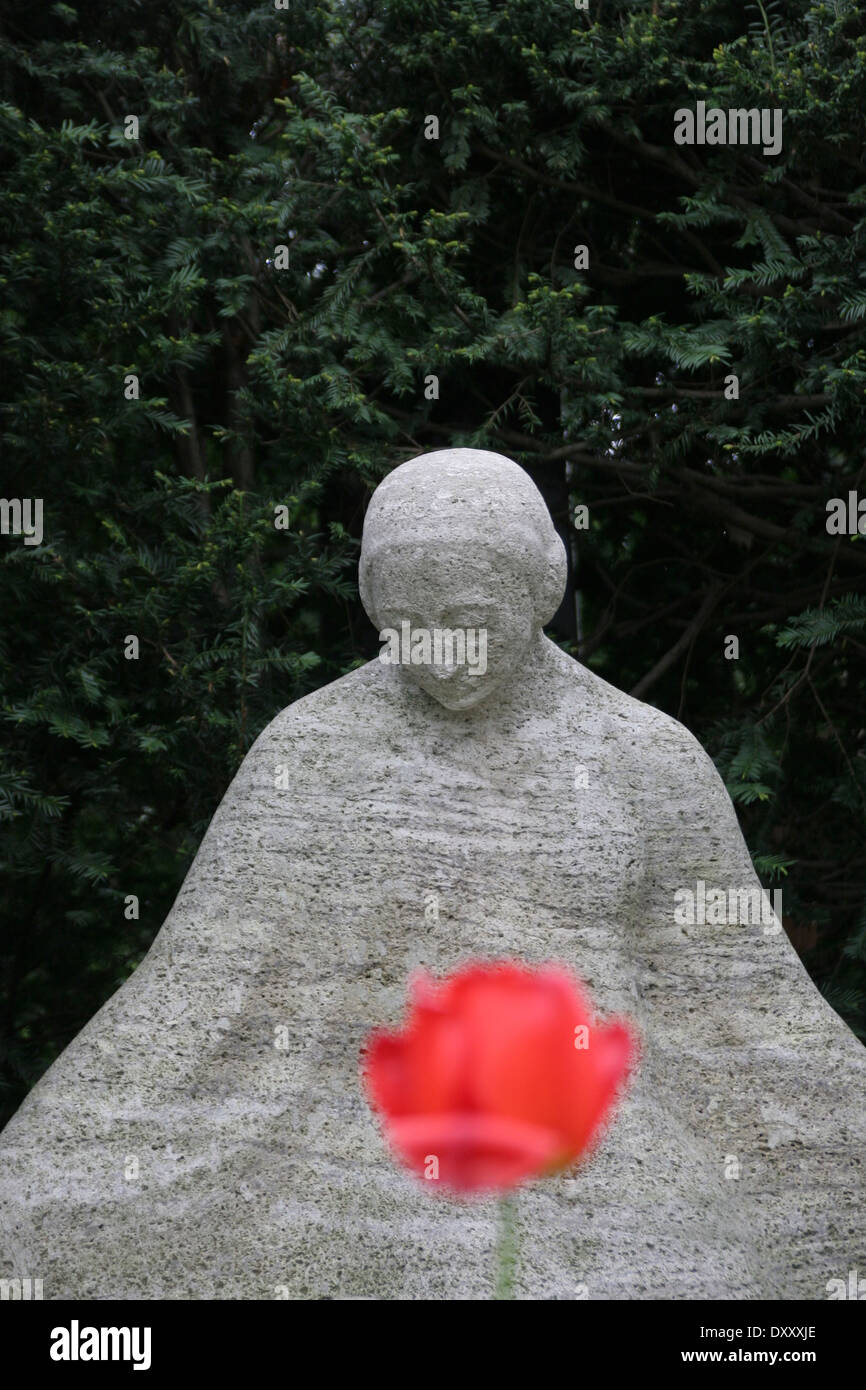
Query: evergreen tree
(312, 282)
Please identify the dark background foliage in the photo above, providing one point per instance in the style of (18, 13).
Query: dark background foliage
(300, 387)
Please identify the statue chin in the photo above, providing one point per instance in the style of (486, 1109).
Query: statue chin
(458, 702)
(456, 694)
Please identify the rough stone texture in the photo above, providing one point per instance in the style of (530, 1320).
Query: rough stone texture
(262, 1170)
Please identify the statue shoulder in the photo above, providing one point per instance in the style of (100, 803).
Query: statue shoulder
(666, 773)
(328, 713)
(660, 749)
(677, 764)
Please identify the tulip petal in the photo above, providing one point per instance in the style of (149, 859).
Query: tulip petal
(490, 1078)
(386, 1074)
(599, 1073)
(473, 1152)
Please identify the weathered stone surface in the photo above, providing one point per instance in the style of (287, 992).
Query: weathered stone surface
(227, 1065)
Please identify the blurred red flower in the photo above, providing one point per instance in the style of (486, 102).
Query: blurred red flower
(499, 1075)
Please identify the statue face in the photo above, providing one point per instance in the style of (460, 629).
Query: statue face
(479, 597)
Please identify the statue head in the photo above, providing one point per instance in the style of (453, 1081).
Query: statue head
(460, 542)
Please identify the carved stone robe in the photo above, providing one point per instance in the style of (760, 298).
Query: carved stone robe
(206, 1135)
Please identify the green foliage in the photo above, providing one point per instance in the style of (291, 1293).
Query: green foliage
(818, 626)
(145, 257)
(263, 387)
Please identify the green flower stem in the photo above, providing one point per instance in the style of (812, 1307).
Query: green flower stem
(506, 1247)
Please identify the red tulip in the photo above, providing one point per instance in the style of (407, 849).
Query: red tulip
(499, 1075)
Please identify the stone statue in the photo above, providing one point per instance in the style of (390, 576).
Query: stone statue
(206, 1136)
